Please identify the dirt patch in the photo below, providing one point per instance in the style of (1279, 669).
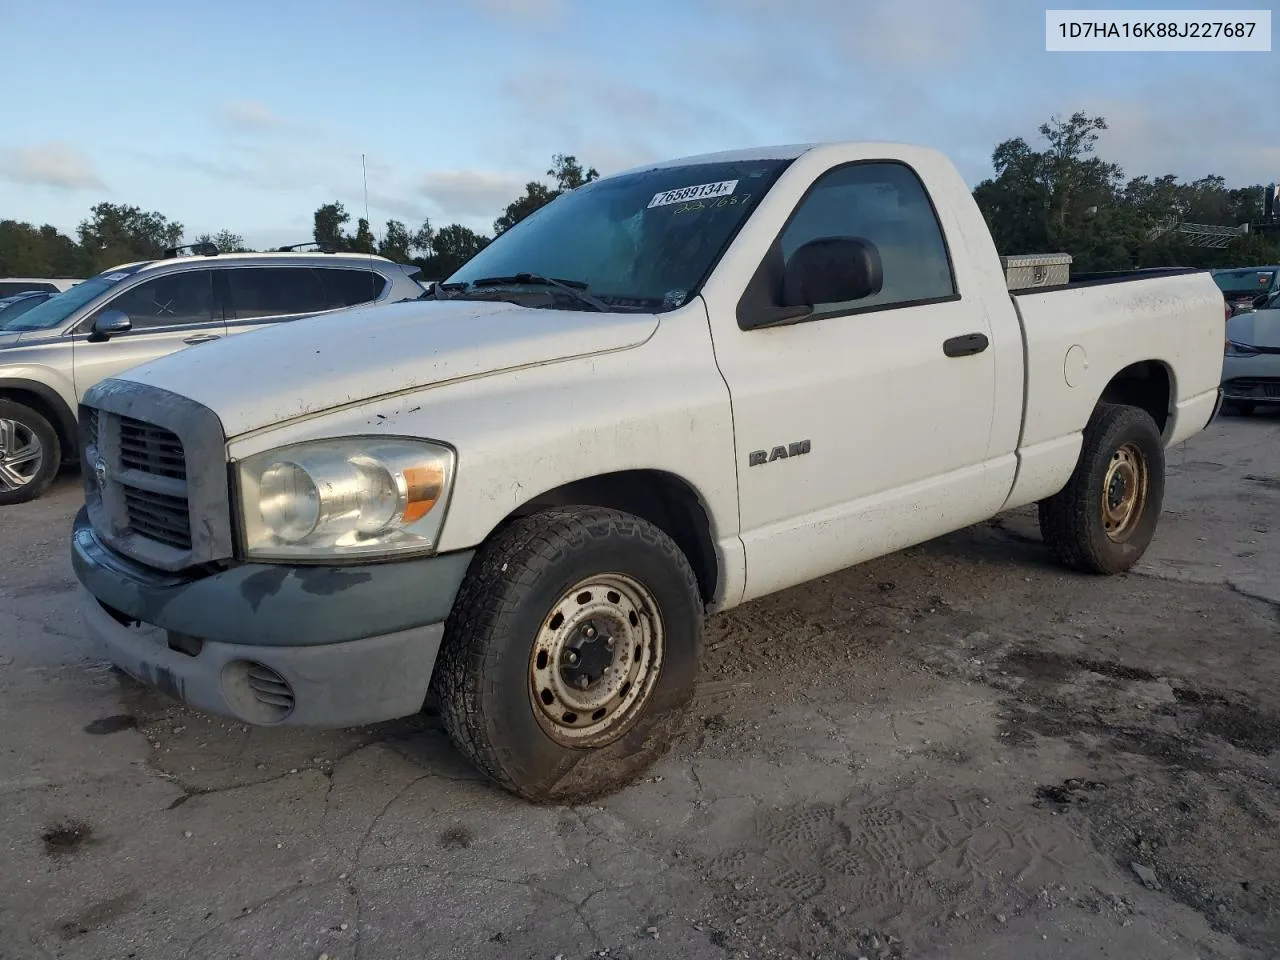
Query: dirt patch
(64, 839)
(113, 724)
(456, 838)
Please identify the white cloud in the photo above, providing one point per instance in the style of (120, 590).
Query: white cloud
(471, 194)
(250, 116)
(54, 164)
(1206, 128)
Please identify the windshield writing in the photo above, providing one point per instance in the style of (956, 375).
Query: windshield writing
(639, 241)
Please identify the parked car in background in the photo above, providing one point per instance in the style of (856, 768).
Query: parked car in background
(672, 390)
(1245, 288)
(1251, 367)
(137, 312)
(15, 306)
(11, 285)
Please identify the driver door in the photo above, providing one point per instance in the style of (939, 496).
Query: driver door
(864, 427)
(168, 313)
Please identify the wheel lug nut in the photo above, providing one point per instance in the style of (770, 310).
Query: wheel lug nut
(582, 683)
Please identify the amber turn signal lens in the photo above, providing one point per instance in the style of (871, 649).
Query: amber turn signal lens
(424, 485)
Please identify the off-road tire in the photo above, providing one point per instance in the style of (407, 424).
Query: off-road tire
(1071, 521)
(483, 674)
(43, 430)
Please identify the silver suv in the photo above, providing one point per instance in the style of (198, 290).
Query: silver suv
(53, 353)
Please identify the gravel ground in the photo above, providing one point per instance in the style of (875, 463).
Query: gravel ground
(959, 751)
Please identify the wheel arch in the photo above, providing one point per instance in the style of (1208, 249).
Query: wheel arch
(1148, 385)
(49, 404)
(668, 501)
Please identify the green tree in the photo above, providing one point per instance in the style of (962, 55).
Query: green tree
(329, 221)
(536, 195)
(363, 241)
(30, 251)
(423, 239)
(453, 246)
(1064, 198)
(567, 173)
(396, 242)
(116, 233)
(225, 241)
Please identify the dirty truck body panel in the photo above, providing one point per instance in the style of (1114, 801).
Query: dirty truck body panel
(790, 436)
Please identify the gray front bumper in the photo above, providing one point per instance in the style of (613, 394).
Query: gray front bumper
(1252, 379)
(268, 644)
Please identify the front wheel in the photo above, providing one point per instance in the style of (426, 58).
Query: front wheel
(29, 453)
(571, 653)
(1104, 519)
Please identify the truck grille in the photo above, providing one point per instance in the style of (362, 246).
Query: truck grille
(155, 476)
(159, 516)
(151, 449)
(158, 511)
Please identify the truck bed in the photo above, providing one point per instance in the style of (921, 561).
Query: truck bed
(1078, 335)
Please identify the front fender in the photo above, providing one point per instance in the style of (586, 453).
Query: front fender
(54, 390)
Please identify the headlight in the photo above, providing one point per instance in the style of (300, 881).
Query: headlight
(1235, 349)
(350, 498)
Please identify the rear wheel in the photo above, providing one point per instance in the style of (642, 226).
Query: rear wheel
(1104, 519)
(571, 653)
(29, 453)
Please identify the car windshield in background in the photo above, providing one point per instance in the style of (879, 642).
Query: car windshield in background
(641, 241)
(1240, 282)
(11, 310)
(55, 310)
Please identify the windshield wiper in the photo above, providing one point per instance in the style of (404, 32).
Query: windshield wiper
(576, 288)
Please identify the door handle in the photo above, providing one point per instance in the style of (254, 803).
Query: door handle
(202, 338)
(965, 346)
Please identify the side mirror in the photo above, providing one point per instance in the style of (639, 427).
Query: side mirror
(832, 270)
(108, 324)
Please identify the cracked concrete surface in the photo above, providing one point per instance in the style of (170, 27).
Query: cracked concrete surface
(958, 751)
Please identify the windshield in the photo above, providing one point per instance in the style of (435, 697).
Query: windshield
(56, 309)
(11, 310)
(639, 241)
(1252, 282)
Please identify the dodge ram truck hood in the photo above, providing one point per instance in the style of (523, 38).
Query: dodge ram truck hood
(1261, 328)
(294, 369)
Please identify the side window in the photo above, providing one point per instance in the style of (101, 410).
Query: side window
(346, 288)
(173, 300)
(887, 204)
(274, 291)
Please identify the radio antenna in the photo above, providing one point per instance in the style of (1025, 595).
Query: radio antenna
(364, 175)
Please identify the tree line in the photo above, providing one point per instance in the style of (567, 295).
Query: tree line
(1058, 198)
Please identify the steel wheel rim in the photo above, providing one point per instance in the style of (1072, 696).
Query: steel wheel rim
(21, 455)
(1124, 492)
(573, 645)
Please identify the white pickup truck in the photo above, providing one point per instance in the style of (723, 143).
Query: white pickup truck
(666, 393)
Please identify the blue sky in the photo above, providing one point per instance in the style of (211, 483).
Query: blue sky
(248, 115)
